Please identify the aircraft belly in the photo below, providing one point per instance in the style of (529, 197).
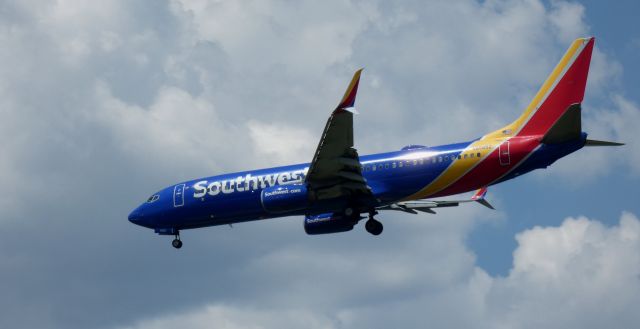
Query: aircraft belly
(543, 157)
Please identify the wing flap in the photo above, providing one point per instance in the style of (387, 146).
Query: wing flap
(356, 177)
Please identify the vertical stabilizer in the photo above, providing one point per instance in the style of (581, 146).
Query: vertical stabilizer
(563, 88)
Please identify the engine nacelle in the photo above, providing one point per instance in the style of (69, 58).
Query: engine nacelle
(328, 223)
(284, 198)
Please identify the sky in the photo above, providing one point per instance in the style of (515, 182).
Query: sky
(104, 103)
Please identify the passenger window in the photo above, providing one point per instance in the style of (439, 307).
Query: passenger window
(421, 161)
(439, 159)
(478, 154)
(415, 162)
(433, 160)
(393, 165)
(471, 155)
(465, 156)
(459, 157)
(386, 165)
(373, 168)
(380, 166)
(400, 164)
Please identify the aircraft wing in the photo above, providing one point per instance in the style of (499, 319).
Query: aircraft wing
(335, 170)
(413, 207)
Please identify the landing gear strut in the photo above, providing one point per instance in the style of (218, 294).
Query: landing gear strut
(177, 243)
(372, 225)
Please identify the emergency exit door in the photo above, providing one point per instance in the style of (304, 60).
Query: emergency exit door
(503, 151)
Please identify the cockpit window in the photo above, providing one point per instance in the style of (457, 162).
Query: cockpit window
(153, 198)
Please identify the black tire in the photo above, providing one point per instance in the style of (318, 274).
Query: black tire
(373, 226)
(176, 243)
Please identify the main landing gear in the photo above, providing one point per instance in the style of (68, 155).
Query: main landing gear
(372, 225)
(177, 243)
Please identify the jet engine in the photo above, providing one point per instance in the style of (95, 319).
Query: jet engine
(328, 223)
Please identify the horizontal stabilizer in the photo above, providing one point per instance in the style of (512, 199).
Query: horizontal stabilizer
(593, 142)
(427, 205)
(479, 198)
(485, 203)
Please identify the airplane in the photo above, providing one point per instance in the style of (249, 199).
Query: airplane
(338, 186)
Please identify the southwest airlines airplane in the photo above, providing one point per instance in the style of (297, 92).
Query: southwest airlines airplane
(338, 186)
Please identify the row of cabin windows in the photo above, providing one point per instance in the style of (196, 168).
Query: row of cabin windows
(415, 162)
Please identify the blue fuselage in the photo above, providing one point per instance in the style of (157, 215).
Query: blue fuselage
(392, 176)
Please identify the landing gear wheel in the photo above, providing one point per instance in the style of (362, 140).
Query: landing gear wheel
(176, 243)
(373, 226)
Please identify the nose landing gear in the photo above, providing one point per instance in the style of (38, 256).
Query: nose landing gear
(177, 243)
(372, 225)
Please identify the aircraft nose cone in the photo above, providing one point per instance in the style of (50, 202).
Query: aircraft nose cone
(136, 217)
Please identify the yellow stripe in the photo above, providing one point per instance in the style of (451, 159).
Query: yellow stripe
(458, 168)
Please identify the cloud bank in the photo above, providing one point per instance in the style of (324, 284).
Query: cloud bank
(579, 274)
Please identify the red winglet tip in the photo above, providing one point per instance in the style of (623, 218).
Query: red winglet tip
(479, 194)
(349, 98)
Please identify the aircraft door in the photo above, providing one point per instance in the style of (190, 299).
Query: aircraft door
(503, 151)
(178, 195)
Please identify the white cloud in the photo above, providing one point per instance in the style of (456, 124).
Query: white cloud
(176, 130)
(297, 37)
(578, 274)
(603, 73)
(281, 142)
(620, 124)
(228, 317)
(568, 20)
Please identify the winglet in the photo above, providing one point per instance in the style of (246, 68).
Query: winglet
(479, 198)
(349, 99)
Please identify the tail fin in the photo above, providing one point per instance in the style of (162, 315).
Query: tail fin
(562, 90)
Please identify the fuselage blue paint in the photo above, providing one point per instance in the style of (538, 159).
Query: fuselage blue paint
(236, 197)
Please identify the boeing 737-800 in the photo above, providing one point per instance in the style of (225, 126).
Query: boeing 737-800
(338, 186)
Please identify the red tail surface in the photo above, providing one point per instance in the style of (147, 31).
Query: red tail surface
(564, 87)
